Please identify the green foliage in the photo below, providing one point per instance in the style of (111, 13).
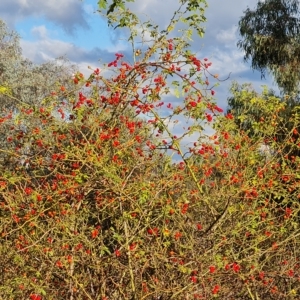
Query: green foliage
(29, 83)
(266, 115)
(270, 38)
(250, 109)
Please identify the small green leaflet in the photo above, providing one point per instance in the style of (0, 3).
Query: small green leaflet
(102, 4)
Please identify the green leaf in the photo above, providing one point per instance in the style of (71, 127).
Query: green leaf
(122, 5)
(170, 28)
(104, 250)
(102, 4)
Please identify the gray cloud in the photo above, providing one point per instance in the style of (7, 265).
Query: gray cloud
(67, 14)
(47, 49)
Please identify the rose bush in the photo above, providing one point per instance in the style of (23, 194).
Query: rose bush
(119, 192)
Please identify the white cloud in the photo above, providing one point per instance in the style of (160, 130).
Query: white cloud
(226, 62)
(160, 12)
(227, 37)
(45, 49)
(68, 14)
(40, 31)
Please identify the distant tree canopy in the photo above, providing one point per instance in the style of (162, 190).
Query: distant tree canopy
(250, 109)
(270, 36)
(23, 81)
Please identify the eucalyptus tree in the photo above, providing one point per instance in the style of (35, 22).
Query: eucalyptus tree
(270, 36)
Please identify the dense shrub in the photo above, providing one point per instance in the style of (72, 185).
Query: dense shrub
(93, 206)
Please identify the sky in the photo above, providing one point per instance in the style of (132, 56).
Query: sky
(73, 28)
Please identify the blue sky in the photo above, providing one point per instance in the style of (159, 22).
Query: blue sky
(71, 28)
(93, 33)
